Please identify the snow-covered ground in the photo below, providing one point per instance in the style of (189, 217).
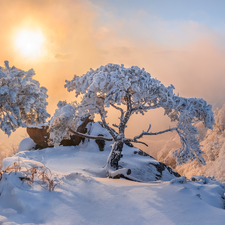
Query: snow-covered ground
(85, 196)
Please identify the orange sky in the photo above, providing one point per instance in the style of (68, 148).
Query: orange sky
(188, 54)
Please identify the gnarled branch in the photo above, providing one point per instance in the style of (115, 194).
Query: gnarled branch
(89, 136)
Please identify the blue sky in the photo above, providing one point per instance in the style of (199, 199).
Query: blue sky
(159, 19)
(202, 11)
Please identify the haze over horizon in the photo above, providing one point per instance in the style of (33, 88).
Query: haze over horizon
(179, 43)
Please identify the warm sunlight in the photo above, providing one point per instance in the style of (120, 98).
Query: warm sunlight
(30, 43)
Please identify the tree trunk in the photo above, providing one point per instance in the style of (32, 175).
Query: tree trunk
(115, 155)
(112, 166)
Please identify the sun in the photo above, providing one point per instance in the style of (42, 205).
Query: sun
(30, 43)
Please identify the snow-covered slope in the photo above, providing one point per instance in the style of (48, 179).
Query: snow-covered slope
(84, 196)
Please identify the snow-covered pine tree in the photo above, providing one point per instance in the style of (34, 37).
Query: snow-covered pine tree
(22, 100)
(130, 90)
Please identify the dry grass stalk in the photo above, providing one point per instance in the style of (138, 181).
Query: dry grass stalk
(41, 175)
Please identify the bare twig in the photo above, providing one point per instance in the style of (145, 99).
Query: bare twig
(115, 125)
(136, 141)
(150, 133)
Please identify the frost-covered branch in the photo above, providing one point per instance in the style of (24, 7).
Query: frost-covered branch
(134, 88)
(89, 136)
(64, 117)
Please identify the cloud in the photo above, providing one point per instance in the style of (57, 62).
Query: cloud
(62, 56)
(81, 35)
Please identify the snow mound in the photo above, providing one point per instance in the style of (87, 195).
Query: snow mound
(85, 196)
(26, 144)
(82, 198)
(208, 189)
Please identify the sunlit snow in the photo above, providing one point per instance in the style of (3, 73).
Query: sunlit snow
(85, 196)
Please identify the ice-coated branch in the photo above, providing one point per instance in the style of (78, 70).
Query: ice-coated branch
(90, 136)
(134, 88)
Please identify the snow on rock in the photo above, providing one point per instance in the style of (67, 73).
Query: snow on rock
(144, 167)
(96, 129)
(39, 126)
(26, 144)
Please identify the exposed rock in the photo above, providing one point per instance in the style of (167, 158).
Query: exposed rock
(100, 143)
(40, 135)
(140, 165)
(140, 152)
(161, 167)
(144, 167)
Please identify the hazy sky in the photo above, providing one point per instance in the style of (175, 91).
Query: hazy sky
(178, 42)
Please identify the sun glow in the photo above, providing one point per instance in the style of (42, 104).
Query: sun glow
(30, 43)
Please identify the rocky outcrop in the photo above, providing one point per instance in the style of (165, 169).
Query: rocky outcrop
(140, 165)
(144, 167)
(40, 135)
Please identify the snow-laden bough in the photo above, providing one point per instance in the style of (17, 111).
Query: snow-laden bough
(130, 90)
